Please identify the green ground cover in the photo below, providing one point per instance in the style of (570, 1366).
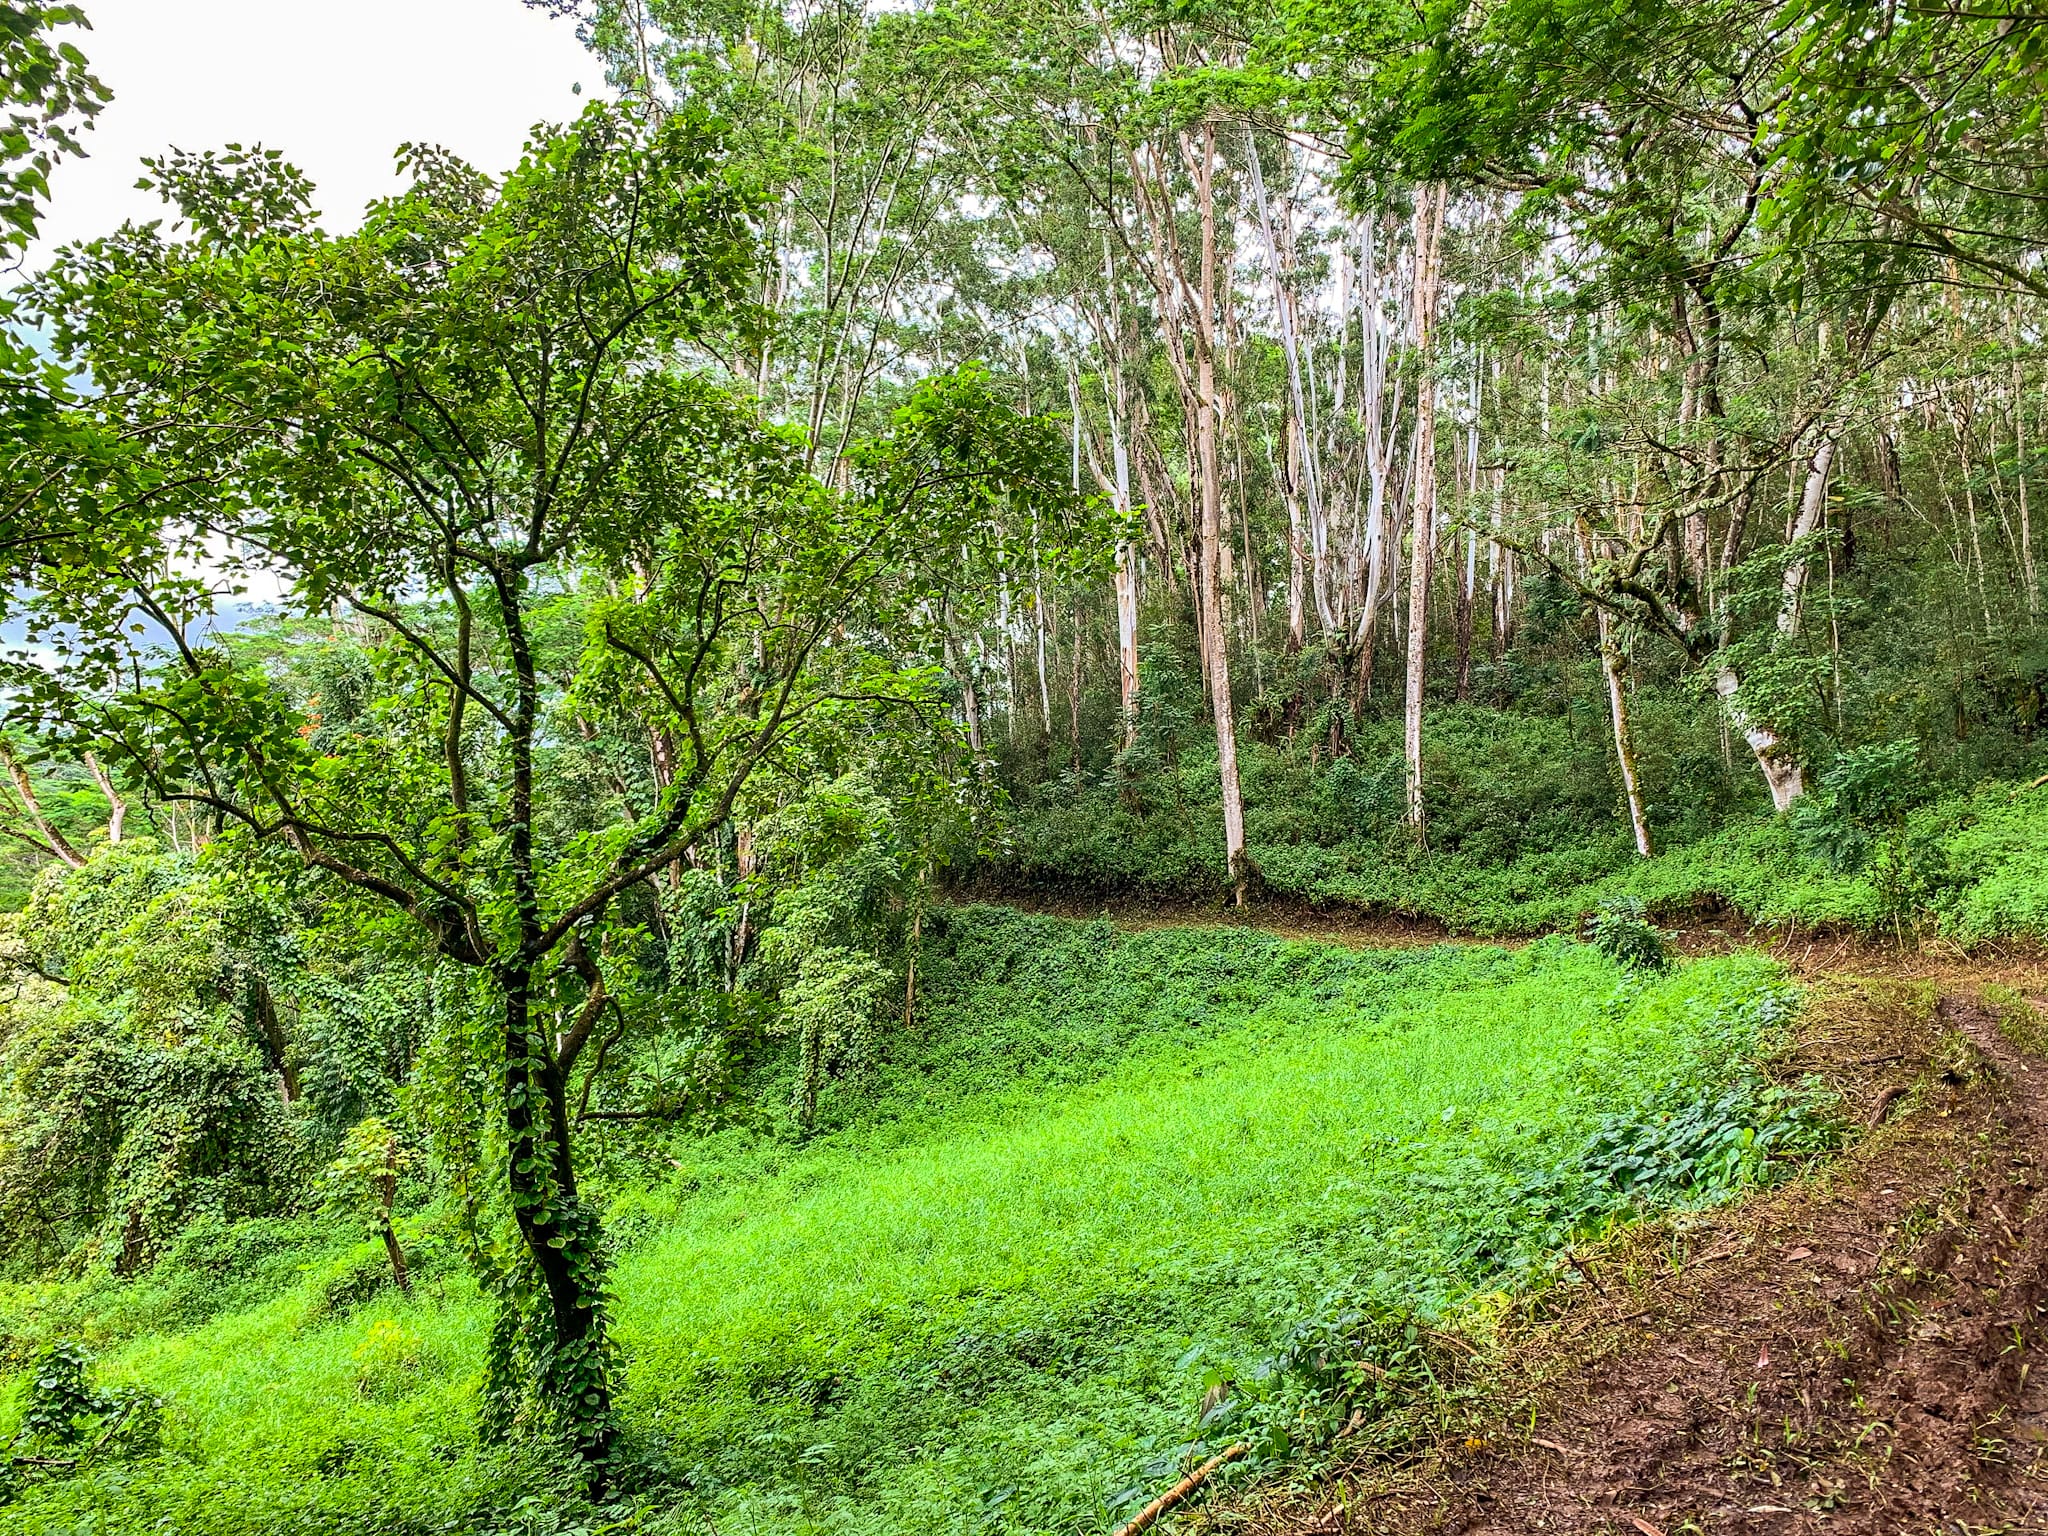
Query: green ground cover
(1102, 1173)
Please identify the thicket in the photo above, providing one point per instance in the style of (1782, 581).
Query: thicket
(1528, 833)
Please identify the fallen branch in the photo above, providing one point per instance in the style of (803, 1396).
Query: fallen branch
(1585, 1274)
(2025, 787)
(118, 1420)
(1885, 1101)
(1178, 1493)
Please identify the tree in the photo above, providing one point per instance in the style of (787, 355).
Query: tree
(1917, 125)
(1429, 231)
(475, 426)
(363, 1181)
(50, 94)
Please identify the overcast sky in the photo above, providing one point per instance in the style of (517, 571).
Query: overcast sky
(336, 84)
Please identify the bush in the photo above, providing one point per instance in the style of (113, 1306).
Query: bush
(1621, 932)
(68, 1424)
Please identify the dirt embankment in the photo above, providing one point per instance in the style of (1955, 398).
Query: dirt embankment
(1865, 1352)
(1810, 951)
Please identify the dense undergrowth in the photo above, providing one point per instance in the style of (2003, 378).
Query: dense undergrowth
(1525, 837)
(1101, 1182)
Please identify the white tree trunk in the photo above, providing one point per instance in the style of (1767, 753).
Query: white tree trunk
(1617, 707)
(1126, 582)
(1624, 742)
(2028, 579)
(117, 808)
(1303, 457)
(1208, 409)
(1297, 575)
(1429, 213)
(1785, 776)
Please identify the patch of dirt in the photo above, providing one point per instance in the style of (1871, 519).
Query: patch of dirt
(1859, 1353)
(1288, 917)
(1695, 931)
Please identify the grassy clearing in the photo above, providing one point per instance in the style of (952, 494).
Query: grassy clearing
(1104, 1172)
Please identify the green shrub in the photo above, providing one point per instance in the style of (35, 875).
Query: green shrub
(1621, 932)
(67, 1423)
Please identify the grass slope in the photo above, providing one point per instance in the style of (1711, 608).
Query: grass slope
(1104, 1170)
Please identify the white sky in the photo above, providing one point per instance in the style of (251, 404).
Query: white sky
(337, 85)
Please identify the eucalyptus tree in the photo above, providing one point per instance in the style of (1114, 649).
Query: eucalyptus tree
(1636, 138)
(836, 111)
(1115, 115)
(471, 420)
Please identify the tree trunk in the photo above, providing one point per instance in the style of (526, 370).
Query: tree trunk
(1214, 642)
(970, 701)
(1074, 688)
(387, 1195)
(561, 1234)
(1126, 577)
(396, 1255)
(25, 788)
(1624, 742)
(1297, 565)
(1304, 468)
(263, 1011)
(1785, 776)
(1786, 779)
(1429, 212)
(1813, 503)
(1468, 578)
(117, 808)
(1617, 709)
(2028, 579)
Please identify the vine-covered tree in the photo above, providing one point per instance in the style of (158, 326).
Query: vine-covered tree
(481, 428)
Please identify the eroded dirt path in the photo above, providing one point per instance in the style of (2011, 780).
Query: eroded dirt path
(1866, 1352)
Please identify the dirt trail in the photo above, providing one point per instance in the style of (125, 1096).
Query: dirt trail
(1861, 1353)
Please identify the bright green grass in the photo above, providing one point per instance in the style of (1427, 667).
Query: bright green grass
(988, 1296)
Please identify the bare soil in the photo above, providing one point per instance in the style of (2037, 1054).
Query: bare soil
(1858, 1353)
(1288, 917)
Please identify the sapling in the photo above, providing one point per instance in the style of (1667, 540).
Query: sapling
(363, 1181)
